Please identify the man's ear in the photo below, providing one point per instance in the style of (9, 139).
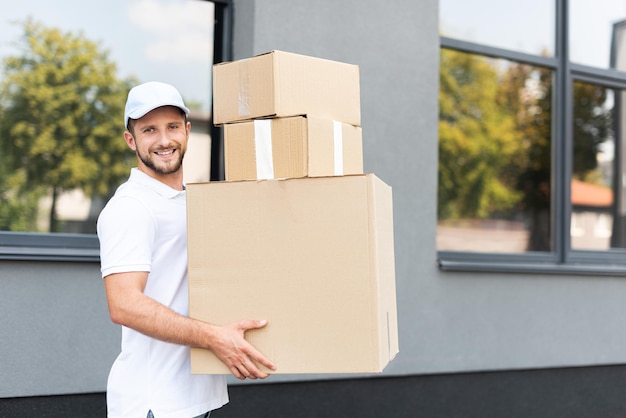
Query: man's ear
(130, 140)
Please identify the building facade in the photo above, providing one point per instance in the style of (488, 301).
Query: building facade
(477, 337)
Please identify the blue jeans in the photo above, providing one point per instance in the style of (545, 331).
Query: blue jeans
(207, 415)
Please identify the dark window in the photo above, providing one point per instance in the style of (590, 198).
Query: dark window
(82, 58)
(530, 136)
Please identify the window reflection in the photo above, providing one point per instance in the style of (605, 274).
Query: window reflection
(597, 188)
(495, 121)
(592, 26)
(526, 26)
(58, 179)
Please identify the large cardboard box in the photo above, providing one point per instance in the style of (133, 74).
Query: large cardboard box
(279, 83)
(313, 256)
(292, 147)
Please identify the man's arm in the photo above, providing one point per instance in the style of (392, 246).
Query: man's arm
(129, 306)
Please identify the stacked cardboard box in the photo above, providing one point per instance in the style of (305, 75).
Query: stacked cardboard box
(297, 235)
(314, 106)
(289, 147)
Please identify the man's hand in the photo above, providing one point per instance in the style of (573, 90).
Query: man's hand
(231, 347)
(129, 306)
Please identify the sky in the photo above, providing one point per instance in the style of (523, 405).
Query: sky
(164, 40)
(530, 25)
(172, 40)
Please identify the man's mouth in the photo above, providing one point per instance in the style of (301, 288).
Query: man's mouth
(168, 152)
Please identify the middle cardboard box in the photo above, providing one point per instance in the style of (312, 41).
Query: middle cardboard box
(290, 147)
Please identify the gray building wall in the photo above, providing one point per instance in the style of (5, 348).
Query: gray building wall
(56, 335)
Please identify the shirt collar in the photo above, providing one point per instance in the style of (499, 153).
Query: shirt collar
(159, 187)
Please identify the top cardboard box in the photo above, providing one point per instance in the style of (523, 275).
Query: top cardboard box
(280, 84)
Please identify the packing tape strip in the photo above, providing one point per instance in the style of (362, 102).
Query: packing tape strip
(243, 97)
(338, 138)
(263, 149)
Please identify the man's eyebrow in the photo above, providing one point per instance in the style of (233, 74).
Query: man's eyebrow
(153, 125)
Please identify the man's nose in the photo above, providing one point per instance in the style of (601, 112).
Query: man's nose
(163, 137)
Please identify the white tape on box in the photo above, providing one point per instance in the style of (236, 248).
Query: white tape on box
(243, 98)
(338, 137)
(263, 149)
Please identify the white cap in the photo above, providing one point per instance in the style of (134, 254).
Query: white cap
(148, 96)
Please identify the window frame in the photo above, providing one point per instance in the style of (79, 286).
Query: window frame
(562, 259)
(32, 246)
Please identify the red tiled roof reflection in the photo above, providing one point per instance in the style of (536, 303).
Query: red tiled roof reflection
(587, 194)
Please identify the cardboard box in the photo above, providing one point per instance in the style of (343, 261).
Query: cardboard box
(291, 147)
(313, 256)
(278, 84)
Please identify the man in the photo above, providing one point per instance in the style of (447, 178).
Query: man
(143, 249)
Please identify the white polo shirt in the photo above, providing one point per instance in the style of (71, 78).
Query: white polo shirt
(143, 228)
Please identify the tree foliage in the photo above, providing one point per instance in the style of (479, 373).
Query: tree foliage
(592, 126)
(477, 140)
(496, 141)
(60, 125)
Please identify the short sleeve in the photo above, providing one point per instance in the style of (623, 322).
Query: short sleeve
(127, 231)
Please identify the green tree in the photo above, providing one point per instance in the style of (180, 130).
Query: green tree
(592, 128)
(496, 141)
(477, 140)
(60, 123)
(526, 92)
(18, 211)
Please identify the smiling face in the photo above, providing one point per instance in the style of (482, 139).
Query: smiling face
(159, 139)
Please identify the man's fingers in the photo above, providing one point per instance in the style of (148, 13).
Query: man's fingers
(241, 357)
(252, 324)
(249, 366)
(251, 371)
(247, 371)
(261, 359)
(235, 371)
(253, 353)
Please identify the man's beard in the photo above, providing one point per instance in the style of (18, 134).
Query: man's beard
(167, 169)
